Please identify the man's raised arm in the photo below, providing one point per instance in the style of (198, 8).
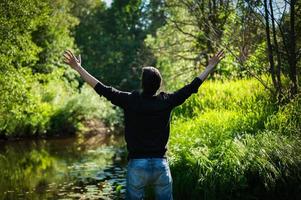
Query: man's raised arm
(211, 65)
(117, 97)
(178, 97)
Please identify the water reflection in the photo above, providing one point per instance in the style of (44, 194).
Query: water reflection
(62, 169)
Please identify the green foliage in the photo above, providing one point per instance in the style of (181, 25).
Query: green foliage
(232, 143)
(288, 120)
(53, 36)
(112, 40)
(22, 110)
(30, 108)
(38, 96)
(17, 20)
(83, 106)
(174, 52)
(34, 33)
(236, 95)
(196, 30)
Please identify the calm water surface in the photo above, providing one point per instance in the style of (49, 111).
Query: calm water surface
(62, 169)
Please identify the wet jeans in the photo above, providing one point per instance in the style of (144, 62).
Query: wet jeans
(148, 172)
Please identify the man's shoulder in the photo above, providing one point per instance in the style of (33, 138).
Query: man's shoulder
(135, 93)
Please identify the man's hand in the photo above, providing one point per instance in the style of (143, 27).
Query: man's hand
(211, 64)
(216, 58)
(71, 60)
(75, 63)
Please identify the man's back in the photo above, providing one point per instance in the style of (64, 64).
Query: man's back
(147, 118)
(147, 125)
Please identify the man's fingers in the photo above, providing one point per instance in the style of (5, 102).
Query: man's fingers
(78, 58)
(220, 53)
(66, 62)
(216, 54)
(221, 57)
(70, 53)
(66, 56)
(217, 57)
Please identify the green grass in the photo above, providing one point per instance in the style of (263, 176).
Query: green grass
(230, 142)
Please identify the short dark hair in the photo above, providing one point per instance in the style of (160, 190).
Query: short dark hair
(151, 80)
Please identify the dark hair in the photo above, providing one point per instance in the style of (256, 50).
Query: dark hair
(151, 80)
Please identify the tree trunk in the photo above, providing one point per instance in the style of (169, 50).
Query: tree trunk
(269, 45)
(276, 48)
(292, 50)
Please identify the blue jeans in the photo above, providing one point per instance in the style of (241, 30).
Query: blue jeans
(148, 172)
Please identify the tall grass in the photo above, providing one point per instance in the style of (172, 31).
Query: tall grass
(230, 142)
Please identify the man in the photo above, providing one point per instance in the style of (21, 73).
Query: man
(147, 120)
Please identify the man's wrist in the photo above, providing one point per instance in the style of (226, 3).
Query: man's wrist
(77, 67)
(210, 66)
(206, 72)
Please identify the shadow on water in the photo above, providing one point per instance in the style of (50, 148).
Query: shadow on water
(62, 169)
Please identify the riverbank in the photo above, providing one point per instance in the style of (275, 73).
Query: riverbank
(92, 131)
(55, 109)
(94, 135)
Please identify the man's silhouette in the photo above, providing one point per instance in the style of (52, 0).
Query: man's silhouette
(147, 120)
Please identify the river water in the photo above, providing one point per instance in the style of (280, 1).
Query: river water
(62, 169)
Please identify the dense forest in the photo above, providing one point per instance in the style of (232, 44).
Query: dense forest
(237, 138)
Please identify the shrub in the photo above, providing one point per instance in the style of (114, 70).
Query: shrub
(84, 106)
(47, 104)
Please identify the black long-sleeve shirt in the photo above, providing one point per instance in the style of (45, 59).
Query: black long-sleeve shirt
(147, 118)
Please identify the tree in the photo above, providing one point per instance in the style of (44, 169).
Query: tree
(33, 35)
(194, 30)
(112, 40)
(282, 42)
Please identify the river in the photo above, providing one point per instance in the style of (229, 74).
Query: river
(66, 168)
